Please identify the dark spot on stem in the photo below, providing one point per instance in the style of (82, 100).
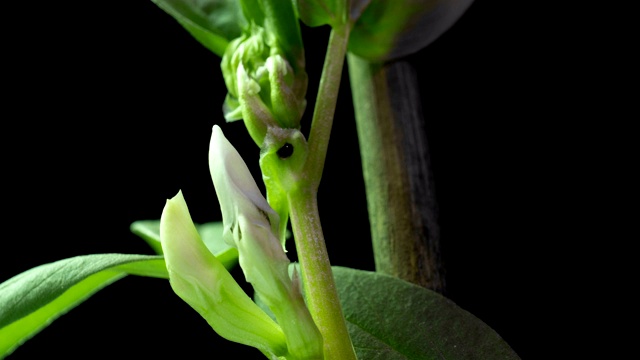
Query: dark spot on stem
(285, 151)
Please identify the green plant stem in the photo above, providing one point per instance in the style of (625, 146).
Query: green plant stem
(326, 103)
(319, 285)
(396, 170)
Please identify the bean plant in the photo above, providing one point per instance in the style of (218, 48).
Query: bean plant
(306, 309)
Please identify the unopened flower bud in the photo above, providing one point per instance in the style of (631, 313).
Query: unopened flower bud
(263, 88)
(203, 282)
(253, 227)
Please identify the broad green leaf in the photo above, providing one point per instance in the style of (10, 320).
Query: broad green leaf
(211, 234)
(33, 299)
(390, 319)
(149, 231)
(322, 12)
(212, 22)
(386, 30)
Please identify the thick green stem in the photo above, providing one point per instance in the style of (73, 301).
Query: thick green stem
(319, 284)
(396, 169)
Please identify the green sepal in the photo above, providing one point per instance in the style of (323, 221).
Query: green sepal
(280, 170)
(250, 50)
(287, 105)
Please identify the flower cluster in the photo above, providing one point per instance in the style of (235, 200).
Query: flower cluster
(251, 226)
(263, 87)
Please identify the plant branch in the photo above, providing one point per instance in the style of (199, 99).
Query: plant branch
(326, 103)
(396, 169)
(320, 289)
(319, 285)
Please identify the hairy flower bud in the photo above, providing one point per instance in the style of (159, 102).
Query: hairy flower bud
(252, 226)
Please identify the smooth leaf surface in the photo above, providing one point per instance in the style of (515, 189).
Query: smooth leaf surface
(386, 30)
(211, 234)
(322, 12)
(212, 22)
(149, 231)
(33, 299)
(389, 319)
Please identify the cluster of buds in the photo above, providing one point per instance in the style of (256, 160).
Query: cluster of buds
(265, 87)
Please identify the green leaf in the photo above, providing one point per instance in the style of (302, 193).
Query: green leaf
(322, 12)
(33, 299)
(383, 30)
(386, 30)
(211, 234)
(149, 231)
(389, 319)
(212, 22)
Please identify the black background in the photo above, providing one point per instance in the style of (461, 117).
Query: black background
(109, 112)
